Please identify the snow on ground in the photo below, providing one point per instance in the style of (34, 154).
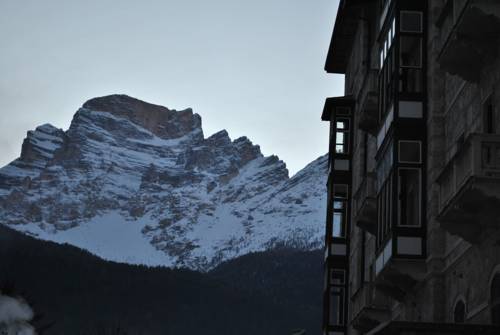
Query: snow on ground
(110, 236)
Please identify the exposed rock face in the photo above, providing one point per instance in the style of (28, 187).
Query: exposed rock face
(139, 183)
(159, 120)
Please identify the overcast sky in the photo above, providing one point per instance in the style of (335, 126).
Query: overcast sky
(252, 67)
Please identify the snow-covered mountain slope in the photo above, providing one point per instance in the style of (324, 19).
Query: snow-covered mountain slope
(138, 183)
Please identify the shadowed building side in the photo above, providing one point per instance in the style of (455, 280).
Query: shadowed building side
(412, 230)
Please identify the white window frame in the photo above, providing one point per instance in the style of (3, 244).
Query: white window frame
(344, 131)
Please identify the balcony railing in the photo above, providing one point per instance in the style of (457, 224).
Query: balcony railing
(365, 204)
(469, 32)
(469, 188)
(478, 158)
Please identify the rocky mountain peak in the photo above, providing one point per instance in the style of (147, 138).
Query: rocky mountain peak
(219, 138)
(135, 182)
(159, 120)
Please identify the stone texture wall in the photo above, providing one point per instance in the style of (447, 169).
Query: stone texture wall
(455, 269)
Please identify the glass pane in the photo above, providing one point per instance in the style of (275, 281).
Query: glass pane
(459, 313)
(393, 30)
(411, 109)
(339, 137)
(495, 300)
(338, 223)
(338, 277)
(495, 315)
(411, 22)
(409, 197)
(410, 80)
(410, 51)
(340, 191)
(388, 192)
(334, 318)
(342, 124)
(410, 151)
(341, 142)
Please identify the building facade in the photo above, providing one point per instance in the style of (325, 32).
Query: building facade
(413, 219)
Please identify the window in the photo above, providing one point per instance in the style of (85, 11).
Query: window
(495, 300)
(342, 136)
(337, 298)
(409, 197)
(411, 109)
(365, 154)
(362, 258)
(459, 312)
(388, 73)
(384, 205)
(340, 196)
(410, 80)
(411, 22)
(384, 166)
(410, 152)
(393, 28)
(410, 52)
(489, 117)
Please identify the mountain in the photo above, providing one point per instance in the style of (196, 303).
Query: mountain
(74, 292)
(134, 182)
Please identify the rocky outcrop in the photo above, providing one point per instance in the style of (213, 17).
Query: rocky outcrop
(136, 182)
(159, 120)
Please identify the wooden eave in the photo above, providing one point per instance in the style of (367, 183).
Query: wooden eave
(344, 31)
(330, 103)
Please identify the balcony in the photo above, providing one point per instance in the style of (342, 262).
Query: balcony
(368, 102)
(365, 204)
(469, 189)
(472, 30)
(397, 274)
(369, 308)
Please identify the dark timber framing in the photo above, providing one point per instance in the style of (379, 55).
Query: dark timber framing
(339, 112)
(403, 115)
(421, 101)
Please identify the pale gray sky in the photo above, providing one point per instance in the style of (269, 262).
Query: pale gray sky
(253, 67)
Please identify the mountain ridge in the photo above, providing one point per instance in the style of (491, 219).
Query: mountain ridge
(130, 173)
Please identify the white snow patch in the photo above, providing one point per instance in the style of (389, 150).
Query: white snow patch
(110, 236)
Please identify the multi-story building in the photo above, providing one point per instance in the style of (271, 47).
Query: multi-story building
(413, 221)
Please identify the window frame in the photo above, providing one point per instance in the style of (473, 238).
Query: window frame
(421, 60)
(346, 133)
(455, 311)
(343, 211)
(338, 290)
(495, 301)
(421, 14)
(420, 189)
(419, 148)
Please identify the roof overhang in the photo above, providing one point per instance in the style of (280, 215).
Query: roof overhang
(332, 103)
(344, 31)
